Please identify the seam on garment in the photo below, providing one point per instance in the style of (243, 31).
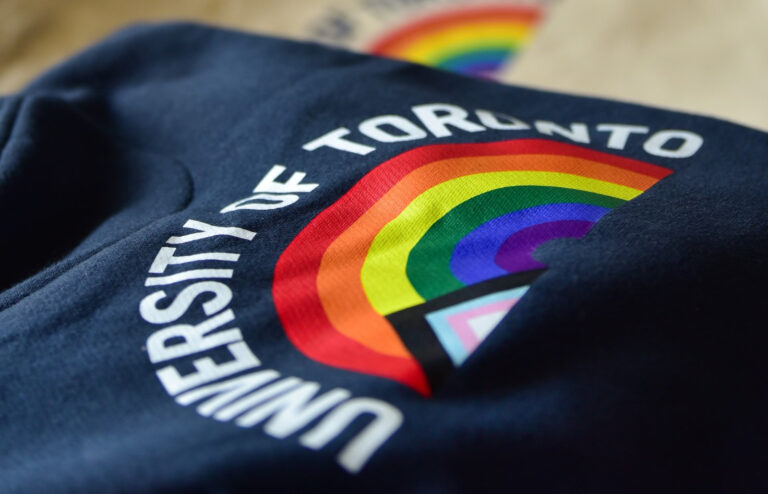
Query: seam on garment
(59, 269)
(6, 131)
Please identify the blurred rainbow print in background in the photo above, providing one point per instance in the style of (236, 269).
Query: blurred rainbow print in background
(477, 41)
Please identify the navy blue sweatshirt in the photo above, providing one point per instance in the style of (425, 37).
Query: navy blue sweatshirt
(241, 264)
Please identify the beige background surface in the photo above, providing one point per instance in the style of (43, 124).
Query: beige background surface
(705, 56)
(35, 34)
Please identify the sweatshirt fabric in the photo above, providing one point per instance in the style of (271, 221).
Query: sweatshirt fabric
(241, 264)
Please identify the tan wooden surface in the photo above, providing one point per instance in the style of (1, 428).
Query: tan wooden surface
(703, 56)
(34, 34)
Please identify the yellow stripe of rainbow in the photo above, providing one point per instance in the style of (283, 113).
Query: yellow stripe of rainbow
(344, 259)
(337, 283)
(384, 275)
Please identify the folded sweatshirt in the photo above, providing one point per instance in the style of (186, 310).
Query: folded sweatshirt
(237, 264)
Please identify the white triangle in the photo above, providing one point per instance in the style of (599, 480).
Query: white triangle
(482, 325)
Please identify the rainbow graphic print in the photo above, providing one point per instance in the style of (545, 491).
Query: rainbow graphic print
(475, 41)
(409, 271)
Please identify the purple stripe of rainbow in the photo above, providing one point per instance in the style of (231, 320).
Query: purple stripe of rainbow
(474, 257)
(515, 254)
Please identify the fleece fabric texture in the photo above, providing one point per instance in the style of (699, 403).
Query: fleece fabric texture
(635, 363)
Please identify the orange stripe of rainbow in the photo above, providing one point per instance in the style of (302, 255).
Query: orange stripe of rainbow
(317, 286)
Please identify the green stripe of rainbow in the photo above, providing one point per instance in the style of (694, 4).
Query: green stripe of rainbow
(384, 275)
(472, 41)
(462, 247)
(348, 269)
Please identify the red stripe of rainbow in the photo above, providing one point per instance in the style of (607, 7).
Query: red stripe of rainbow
(329, 321)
